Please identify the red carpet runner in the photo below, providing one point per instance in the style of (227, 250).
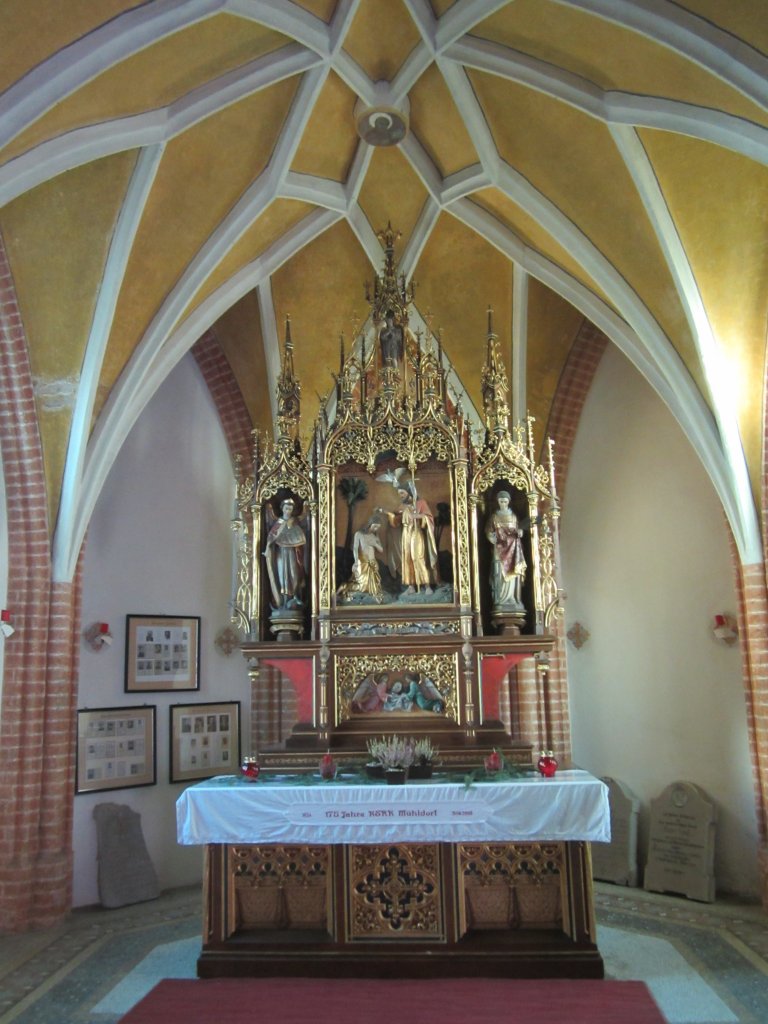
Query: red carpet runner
(365, 1001)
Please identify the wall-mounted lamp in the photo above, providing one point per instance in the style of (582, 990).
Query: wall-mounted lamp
(724, 628)
(97, 635)
(6, 626)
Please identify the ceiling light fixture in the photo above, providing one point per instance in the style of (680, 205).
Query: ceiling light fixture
(382, 124)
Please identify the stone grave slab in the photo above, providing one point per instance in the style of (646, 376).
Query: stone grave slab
(125, 872)
(681, 845)
(617, 861)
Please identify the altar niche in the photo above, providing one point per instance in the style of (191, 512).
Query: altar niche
(393, 535)
(404, 692)
(505, 560)
(408, 540)
(286, 582)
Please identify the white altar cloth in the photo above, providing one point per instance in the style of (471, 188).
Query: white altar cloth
(571, 806)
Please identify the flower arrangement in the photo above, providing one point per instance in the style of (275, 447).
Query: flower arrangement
(400, 754)
(392, 751)
(424, 752)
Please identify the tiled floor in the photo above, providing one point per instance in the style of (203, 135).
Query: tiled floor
(58, 976)
(725, 943)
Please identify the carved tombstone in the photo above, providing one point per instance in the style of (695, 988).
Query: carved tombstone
(681, 848)
(617, 861)
(126, 873)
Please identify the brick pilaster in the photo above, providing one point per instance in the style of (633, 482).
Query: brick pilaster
(39, 683)
(273, 708)
(752, 588)
(530, 703)
(225, 392)
(572, 390)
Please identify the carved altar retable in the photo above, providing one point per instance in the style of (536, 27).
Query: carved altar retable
(392, 574)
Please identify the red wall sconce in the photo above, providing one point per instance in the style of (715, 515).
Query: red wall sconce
(725, 630)
(98, 636)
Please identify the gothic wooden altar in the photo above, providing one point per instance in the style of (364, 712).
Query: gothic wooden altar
(426, 879)
(391, 575)
(396, 568)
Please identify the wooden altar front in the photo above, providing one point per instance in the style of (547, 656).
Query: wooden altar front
(470, 892)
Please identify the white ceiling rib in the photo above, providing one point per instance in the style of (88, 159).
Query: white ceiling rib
(666, 23)
(103, 318)
(77, 64)
(315, 49)
(135, 388)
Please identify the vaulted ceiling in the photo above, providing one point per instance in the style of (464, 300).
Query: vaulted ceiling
(176, 166)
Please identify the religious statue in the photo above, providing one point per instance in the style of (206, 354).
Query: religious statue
(366, 577)
(286, 554)
(391, 340)
(509, 566)
(416, 524)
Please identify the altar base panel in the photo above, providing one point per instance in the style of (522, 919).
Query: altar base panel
(400, 910)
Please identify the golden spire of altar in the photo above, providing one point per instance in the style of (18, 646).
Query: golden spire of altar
(288, 390)
(390, 292)
(494, 384)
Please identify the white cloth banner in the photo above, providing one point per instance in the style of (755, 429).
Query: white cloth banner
(571, 806)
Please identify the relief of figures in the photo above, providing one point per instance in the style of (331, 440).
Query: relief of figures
(409, 692)
(395, 557)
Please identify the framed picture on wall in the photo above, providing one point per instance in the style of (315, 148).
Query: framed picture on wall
(205, 740)
(162, 653)
(115, 748)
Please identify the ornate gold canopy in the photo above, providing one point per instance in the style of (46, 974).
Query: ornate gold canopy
(391, 419)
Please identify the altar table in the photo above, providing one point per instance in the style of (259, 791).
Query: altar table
(431, 878)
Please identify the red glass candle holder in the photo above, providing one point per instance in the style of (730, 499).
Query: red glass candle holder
(547, 764)
(249, 768)
(328, 767)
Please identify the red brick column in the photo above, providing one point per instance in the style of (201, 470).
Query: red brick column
(225, 392)
(39, 684)
(540, 700)
(528, 689)
(557, 709)
(53, 884)
(572, 390)
(752, 589)
(273, 709)
(753, 633)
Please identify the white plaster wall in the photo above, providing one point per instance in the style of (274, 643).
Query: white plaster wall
(646, 564)
(159, 542)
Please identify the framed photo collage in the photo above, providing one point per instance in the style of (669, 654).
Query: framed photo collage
(117, 746)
